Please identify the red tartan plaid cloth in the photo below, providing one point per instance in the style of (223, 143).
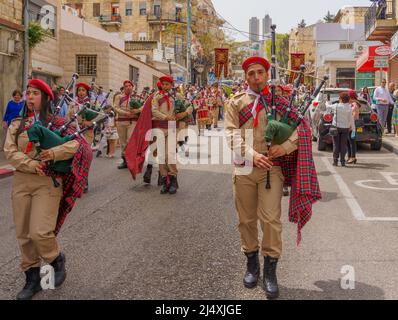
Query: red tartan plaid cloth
(298, 168)
(137, 145)
(74, 182)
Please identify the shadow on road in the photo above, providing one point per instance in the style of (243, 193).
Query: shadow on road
(331, 290)
(329, 196)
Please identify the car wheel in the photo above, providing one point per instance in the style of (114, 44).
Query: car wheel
(321, 144)
(376, 145)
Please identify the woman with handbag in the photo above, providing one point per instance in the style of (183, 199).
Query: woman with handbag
(343, 123)
(352, 141)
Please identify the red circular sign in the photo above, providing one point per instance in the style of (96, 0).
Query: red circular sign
(383, 51)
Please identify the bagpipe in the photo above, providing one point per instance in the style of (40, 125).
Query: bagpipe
(44, 138)
(280, 130)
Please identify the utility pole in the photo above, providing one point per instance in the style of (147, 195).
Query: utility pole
(188, 41)
(26, 45)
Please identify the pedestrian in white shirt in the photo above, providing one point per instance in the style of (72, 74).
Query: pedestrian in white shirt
(383, 99)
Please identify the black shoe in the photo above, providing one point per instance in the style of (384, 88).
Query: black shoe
(148, 174)
(270, 281)
(32, 284)
(286, 191)
(253, 270)
(86, 188)
(59, 268)
(123, 165)
(165, 187)
(173, 185)
(99, 154)
(335, 163)
(343, 163)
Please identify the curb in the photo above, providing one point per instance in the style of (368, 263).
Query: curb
(390, 146)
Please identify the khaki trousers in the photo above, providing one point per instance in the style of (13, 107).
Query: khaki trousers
(166, 155)
(215, 112)
(35, 202)
(253, 202)
(125, 130)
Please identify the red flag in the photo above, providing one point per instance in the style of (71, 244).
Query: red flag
(137, 145)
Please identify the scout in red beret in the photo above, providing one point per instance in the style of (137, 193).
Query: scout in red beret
(166, 79)
(41, 85)
(83, 85)
(159, 85)
(255, 60)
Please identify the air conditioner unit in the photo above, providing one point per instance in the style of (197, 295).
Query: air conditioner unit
(360, 48)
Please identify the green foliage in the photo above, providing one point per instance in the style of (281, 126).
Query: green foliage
(282, 49)
(36, 34)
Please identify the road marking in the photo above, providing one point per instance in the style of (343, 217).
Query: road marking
(362, 184)
(346, 192)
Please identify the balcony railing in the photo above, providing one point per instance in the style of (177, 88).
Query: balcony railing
(376, 13)
(166, 18)
(110, 19)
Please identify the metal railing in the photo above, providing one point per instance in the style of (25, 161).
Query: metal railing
(168, 17)
(378, 12)
(110, 18)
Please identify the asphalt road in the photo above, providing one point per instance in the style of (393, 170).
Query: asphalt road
(125, 241)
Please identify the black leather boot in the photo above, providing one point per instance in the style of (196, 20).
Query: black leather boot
(253, 270)
(32, 284)
(165, 187)
(173, 185)
(270, 281)
(123, 165)
(148, 174)
(336, 162)
(159, 179)
(59, 269)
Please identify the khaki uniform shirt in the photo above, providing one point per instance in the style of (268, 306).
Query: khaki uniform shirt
(236, 135)
(26, 163)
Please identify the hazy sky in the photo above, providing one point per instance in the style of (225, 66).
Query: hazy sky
(284, 13)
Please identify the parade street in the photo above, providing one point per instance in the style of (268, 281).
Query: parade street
(124, 240)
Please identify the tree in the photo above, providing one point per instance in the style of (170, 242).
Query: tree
(329, 18)
(302, 24)
(282, 49)
(36, 34)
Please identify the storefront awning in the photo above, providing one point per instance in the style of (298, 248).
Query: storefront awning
(366, 62)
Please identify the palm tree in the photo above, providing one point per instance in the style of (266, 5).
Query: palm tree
(329, 18)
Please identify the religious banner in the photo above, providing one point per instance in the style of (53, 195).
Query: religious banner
(221, 62)
(297, 60)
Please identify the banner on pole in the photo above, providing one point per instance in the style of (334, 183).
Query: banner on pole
(221, 62)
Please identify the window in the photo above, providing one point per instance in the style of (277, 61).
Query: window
(35, 14)
(134, 74)
(345, 78)
(129, 8)
(156, 8)
(142, 8)
(346, 46)
(96, 9)
(86, 65)
(142, 36)
(178, 12)
(128, 36)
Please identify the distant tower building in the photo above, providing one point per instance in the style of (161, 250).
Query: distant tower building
(267, 22)
(254, 29)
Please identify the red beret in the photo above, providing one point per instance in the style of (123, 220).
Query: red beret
(167, 79)
(42, 86)
(255, 60)
(83, 85)
(159, 85)
(353, 94)
(128, 81)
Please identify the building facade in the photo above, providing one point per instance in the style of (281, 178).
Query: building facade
(267, 22)
(254, 29)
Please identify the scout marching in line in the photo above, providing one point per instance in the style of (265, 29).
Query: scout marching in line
(43, 194)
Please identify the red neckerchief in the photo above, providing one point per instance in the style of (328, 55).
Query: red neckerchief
(258, 107)
(167, 96)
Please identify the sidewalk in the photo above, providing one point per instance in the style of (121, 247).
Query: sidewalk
(390, 142)
(5, 169)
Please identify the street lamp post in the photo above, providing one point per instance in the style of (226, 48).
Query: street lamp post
(170, 70)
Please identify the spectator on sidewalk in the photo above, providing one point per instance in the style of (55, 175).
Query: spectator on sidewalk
(344, 122)
(13, 108)
(383, 99)
(391, 89)
(365, 95)
(395, 114)
(64, 108)
(352, 141)
(382, 9)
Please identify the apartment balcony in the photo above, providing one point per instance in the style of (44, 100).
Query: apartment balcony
(114, 20)
(167, 18)
(381, 25)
